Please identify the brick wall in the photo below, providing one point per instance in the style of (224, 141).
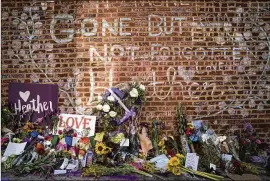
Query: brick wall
(211, 56)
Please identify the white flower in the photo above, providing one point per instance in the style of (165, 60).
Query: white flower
(134, 93)
(99, 107)
(111, 98)
(99, 98)
(112, 114)
(142, 87)
(106, 108)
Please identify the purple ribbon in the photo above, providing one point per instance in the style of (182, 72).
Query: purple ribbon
(127, 115)
(116, 91)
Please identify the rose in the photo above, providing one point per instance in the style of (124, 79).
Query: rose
(258, 141)
(99, 107)
(106, 108)
(60, 131)
(142, 87)
(252, 138)
(99, 98)
(134, 93)
(112, 114)
(74, 134)
(111, 98)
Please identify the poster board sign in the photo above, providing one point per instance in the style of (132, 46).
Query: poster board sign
(41, 98)
(84, 125)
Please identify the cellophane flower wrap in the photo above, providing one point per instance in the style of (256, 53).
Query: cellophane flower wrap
(110, 107)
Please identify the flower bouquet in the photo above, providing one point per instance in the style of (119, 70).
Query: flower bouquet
(120, 103)
(249, 142)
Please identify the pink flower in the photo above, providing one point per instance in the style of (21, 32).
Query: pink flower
(252, 138)
(258, 141)
(60, 131)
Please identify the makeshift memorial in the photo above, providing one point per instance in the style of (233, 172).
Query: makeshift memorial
(121, 144)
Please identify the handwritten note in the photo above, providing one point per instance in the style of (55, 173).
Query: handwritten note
(14, 148)
(192, 161)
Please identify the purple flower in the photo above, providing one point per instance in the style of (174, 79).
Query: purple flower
(248, 127)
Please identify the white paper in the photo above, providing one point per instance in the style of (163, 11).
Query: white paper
(83, 161)
(213, 166)
(57, 172)
(124, 142)
(75, 140)
(70, 166)
(15, 148)
(161, 161)
(192, 161)
(226, 157)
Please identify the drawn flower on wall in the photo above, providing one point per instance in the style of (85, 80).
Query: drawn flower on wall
(236, 19)
(220, 40)
(21, 26)
(262, 45)
(244, 113)
(210, 108)
(227, 26)
(36, 17)
(4, 16)
(24, 16)
(60, 83)
(246, 61)
(198, 109)
(10, 53)
(26, 44)
(262, 35)
(36, 46)
(260, 106)
(26, 8)
(240, 68)
(222, 105)
(34, 78)
(231, 111)
(78, 101)
(16, 44)
(66, 102)
(22, 53)
(14, 12)
(247, 35)
(261, 93)
(251, 103)
(265, 55)
(38, 25)
(238, 37)
(240, 82)
(49, 47)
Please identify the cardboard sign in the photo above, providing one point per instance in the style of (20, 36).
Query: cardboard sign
(84, 125)
(40, 98)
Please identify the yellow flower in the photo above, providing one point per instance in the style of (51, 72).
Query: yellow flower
(61, 136)
(190, 125)
(100, 148)
(180, 156)
(174, 161)
(176, 171)
(161, 143)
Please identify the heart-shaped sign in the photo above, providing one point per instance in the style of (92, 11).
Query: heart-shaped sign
(24, 95)
(187, 75)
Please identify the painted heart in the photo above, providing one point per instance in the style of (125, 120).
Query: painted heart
(24, 95)
(186, 74)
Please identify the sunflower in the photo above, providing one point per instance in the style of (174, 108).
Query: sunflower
(174, 161)
(180, 156)
(100, 148)
(176, 171)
